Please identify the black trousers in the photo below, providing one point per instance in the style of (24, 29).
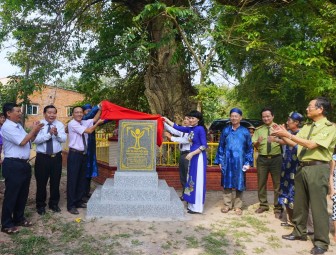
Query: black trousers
(183, 169)
(17, 174)
(48, 168)
(87, 188)
(76, 169)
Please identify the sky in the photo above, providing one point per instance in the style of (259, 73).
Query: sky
(6, 68)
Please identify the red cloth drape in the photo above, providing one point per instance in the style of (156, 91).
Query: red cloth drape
(112, 111)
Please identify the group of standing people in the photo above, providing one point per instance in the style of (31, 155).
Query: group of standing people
(48, 135)
(299, 161)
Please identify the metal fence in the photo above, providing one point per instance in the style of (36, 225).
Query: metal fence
(167, 155)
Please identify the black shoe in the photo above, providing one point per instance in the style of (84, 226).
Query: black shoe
(181, 198)
(55, 208)
(85, 199)
(261, 210)
(317, 250)
(41, 211)
(278, 215)
(82, 205)
(73, 211)
(292, 237)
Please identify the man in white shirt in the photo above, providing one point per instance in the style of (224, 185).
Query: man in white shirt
(184, 146)
(48, 163)
(16, 169)
(77, 157)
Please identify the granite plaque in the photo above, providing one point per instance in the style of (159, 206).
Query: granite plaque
(137, 143)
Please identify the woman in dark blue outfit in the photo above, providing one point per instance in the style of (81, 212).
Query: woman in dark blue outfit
(194, 192)
(289, 166)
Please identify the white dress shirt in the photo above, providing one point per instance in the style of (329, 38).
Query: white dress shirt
(180, 137)
(76, 129)
(12, 135)
(43, 136)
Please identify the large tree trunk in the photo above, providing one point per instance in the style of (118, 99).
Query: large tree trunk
(168, 85)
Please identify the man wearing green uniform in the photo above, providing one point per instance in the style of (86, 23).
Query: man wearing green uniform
(316, 143)
(269, 161)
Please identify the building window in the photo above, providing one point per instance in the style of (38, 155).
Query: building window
(69, 111)
(32, 109)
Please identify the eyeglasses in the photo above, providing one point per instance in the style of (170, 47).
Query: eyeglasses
(310, 107)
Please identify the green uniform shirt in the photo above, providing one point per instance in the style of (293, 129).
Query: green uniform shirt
(262, 149)
(324, 134)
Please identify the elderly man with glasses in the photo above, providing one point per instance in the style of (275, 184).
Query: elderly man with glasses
(316, 143)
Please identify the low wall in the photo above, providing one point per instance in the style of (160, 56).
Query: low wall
(171, 175)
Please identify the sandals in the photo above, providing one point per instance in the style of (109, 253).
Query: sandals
(286, 224)
(238, 211)
(25, 223)
(225, 209)
(10, 231)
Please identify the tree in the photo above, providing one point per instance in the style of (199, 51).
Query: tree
(281, 54)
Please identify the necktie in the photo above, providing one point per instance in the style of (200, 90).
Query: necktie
(49, 149)
(269, 146)
(84, 143)
(304, 149)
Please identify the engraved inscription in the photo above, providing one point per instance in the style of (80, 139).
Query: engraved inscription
(137, 139)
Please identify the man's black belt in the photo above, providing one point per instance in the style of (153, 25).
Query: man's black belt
(49, 155)
(21, 160)
(77, 151)
(270, 156)
(184, 152)
(313, 163)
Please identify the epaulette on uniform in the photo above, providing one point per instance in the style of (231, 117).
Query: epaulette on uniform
(329, 123)
(259, 127)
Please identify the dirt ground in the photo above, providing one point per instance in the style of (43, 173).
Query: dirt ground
(210, 233)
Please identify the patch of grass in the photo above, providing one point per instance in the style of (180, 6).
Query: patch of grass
(257, 224)
(136, 242)
(71, 231)
(239, 252)
(199, 228)
(274, 242)
(178, 231)
(28, 212)
(152, 227)
(192, 241)
(237, 224)
(259, 250)
(242, 235)
(215, 242)
(139, 232)
(166, 245)
(124, 235)
(88, 249)
(29, 244)
(239, 243)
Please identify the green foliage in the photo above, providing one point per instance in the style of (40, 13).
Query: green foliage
(281, 55)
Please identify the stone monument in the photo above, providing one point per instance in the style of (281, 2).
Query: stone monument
(136, 193)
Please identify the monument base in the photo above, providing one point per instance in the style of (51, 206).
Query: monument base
(135, 196)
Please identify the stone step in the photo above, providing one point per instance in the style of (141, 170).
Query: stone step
(134, 179)
(173, 208)
(110, 192)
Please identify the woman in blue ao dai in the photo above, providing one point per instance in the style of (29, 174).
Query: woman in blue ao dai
(194, 192)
